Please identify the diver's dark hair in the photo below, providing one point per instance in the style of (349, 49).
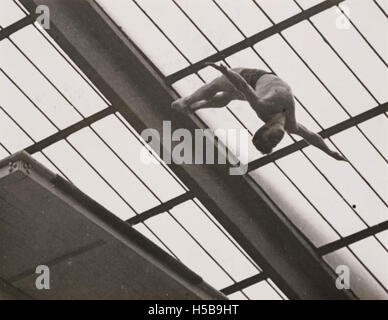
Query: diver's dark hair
(260, 143)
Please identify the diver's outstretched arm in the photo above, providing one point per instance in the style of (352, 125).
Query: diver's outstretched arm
(238, 82)
(317, 141)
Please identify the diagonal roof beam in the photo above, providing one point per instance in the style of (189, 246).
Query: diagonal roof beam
(252, 40)
(339, 127)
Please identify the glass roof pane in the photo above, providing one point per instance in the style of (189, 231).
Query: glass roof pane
(278, 10)
(11, 136)
(135, 134)
(3, 153)
(23, 111)
(359, 195)
(383, 237)
(297, 208)
(212, 22)
(220, 227)
(63, 74)
(187, 38)
(361, 281)
(188, 251)
(275, 287)
(262, 291)
(39, 156)
(337, 77)
(149, 235)
(86, 179)
(377, 131)
(246, 16)
(355, 51)
(321, 194)
(113, 170)
(383, 4)
(9, 13)
(150, 39)
(365, 159)
(375, 257)
(303, 83)
(37, 88)
(371, 24)
(129, 149)
(305, 4)
(237, 296)
(194, 220)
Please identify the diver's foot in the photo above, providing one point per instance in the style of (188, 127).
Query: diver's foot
(179, 105)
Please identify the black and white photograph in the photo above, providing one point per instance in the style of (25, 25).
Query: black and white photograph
(193, 156)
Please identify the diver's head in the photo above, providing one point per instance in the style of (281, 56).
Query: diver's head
(270, 134)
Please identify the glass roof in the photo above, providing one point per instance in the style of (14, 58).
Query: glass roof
(47, 93)
(327, 70)
(336, 74)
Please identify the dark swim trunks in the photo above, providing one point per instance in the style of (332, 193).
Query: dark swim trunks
(252, 75)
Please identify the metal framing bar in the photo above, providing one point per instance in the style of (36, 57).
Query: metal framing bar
(244, 283)
(60, 135)
(248, 42)
(358, 236)
(337, 128)
(122, 74)
(168, 205)
(18, 25)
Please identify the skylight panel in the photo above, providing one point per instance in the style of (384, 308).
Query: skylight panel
(9, 13)
(383, 4)
(36, 87)
(356, 52)
(337, 77)
(245, 15)
(237, 296)
(128, 148)
(55, 65)
(22, 110)
(365, 159)
(351, 186)
(211, 21)
(188, 251)
(278, 10)
(305, 4)
(113, 170)
(374, 256)
(3, 153)
(262, 291)
(371, 24)
(186, 37)
(150, 40)
(218, 245)
(377, 131)
(292, 202)
(362, 282)
(318, 190)
(83, 176)
(303, 83)
(383, 237)
(11, 136)
(39, 156)
(149, 235)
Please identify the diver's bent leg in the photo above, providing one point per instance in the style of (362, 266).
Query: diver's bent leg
(219, 100)
(203, 95)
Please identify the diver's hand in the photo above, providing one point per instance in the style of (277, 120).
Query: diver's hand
(338, 156)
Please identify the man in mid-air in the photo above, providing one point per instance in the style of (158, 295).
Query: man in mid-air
(269, 96)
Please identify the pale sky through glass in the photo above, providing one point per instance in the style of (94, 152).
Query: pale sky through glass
(325, 199)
